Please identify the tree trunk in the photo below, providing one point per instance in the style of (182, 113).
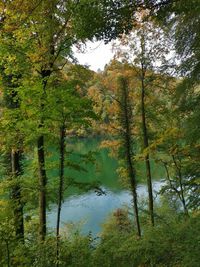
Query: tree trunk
(16, 170)
(42, 186)
(41, 165)
(8, 253)
(126, 122)
(60, 189)
(180, 180)
(146, 144)
(133, 186)
(16, 194)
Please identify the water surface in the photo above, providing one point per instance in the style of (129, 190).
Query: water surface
(87, 210)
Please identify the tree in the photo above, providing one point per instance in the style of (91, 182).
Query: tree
(125, 116)
(70, 111)
(11, 79)
(14, 153)
(182, 21)
(53, 29)
(146, 47)
(114, 95)
(183, 18)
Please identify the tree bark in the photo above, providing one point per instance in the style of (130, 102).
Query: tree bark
(8, 253)
(126, 121)
(16, 169)
(180, 180)
(60, 189)
(42, 186)
(16, 194)
(41, 165)
(133, 185)
(145, 145)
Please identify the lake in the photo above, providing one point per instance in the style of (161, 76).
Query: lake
(87, 210)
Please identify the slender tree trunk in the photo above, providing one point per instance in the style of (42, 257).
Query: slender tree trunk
(180, 180)
(8, 253)
(146, 144)
(133, 185)
(126, 121)
(15, 158)
(16, 194)
(60, 189)
(11, 83)
(45, 73)
(183, 197)
(42, 186)
(42, 167)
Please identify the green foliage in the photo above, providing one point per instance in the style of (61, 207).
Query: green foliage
(166, 244)
(173, 241)
(42, 92)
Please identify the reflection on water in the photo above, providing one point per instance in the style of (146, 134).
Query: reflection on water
(91, 210)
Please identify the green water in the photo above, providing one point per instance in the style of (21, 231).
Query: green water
(86, 208)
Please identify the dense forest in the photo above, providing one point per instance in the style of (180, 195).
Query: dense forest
(143, 109)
